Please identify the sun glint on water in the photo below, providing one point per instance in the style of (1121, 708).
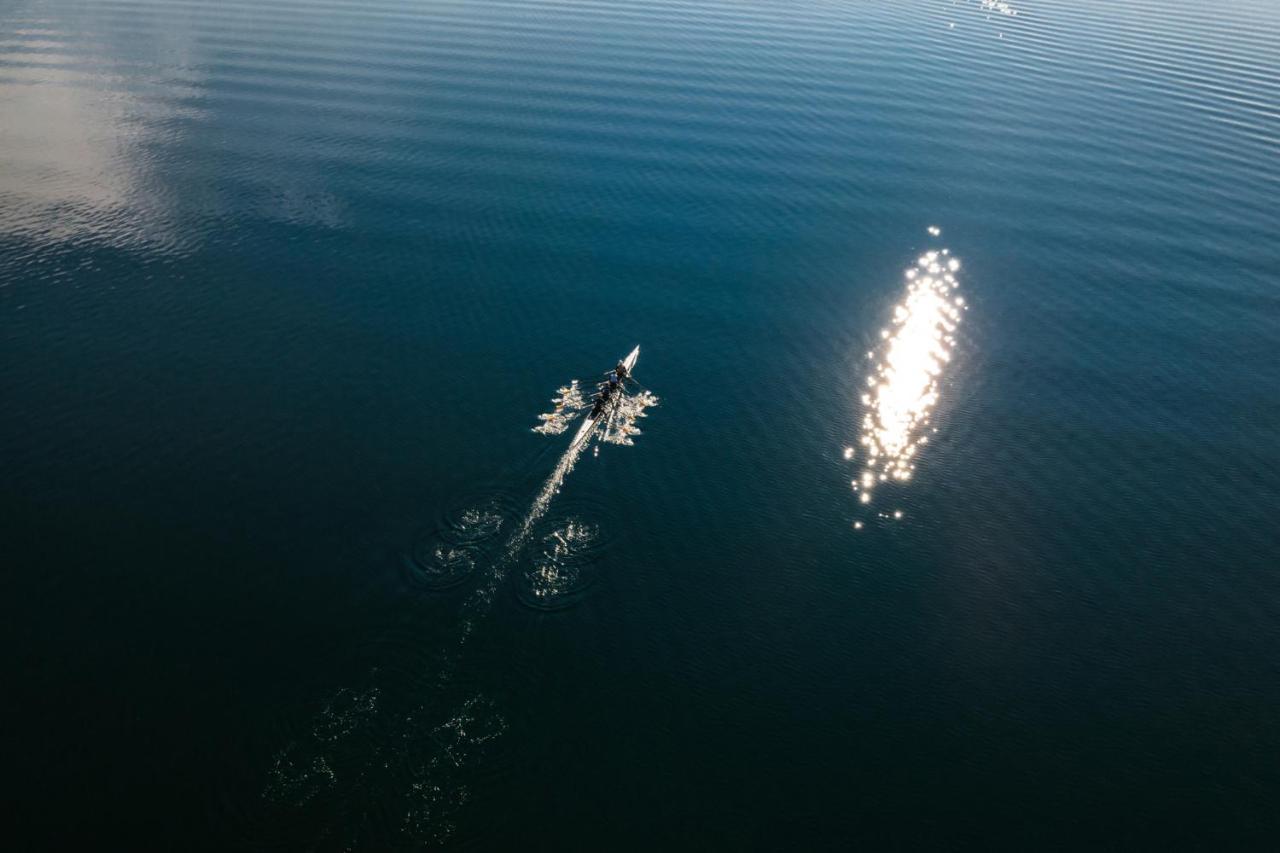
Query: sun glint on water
(902, 387)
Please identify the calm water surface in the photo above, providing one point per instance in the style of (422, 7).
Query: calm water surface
(908, 552)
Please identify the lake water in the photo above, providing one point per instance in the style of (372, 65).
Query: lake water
(952, 522)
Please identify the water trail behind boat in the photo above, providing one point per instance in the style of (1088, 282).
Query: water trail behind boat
(477, 604)
(618, 429)
(432, 755)
(548, 491)
(438, 790)
(426, 749)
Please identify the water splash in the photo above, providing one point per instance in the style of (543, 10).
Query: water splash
(451, 551)
(902, 387)
(987, 8)
(621, 426)
(559, 572)
(567, 405)
(999, 7)
(438, 791)
(305, 767)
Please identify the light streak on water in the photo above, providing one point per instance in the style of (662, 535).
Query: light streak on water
(902, 387)
(548, 491)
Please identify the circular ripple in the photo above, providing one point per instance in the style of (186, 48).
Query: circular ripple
(560, 564)
(447, 554)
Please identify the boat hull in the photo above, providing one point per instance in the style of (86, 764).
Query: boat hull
(590, 423)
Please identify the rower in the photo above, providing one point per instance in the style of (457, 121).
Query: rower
(621, 370)
(602, 398)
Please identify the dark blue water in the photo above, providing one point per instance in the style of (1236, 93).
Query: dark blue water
(284, 286)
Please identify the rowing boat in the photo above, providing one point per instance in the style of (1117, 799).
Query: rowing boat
(594, 418)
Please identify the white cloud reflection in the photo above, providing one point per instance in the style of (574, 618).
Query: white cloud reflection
(82, 111)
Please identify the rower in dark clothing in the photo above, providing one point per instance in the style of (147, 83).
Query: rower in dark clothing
(602, 400)
(607, 390)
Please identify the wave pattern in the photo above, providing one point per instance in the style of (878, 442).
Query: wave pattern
(448, 554)
(560, 571)
(609, 100)
(218, 218)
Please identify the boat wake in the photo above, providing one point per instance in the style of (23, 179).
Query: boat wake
(358, 777)
(305, 769)
(438, 788)
(619, 428)
(560, 571)
(423, 739)
(451, 551)
(481, 599)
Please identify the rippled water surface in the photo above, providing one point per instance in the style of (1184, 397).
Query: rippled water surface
(944, 515)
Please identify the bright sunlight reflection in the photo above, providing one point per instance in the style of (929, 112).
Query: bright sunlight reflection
(902, 387)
